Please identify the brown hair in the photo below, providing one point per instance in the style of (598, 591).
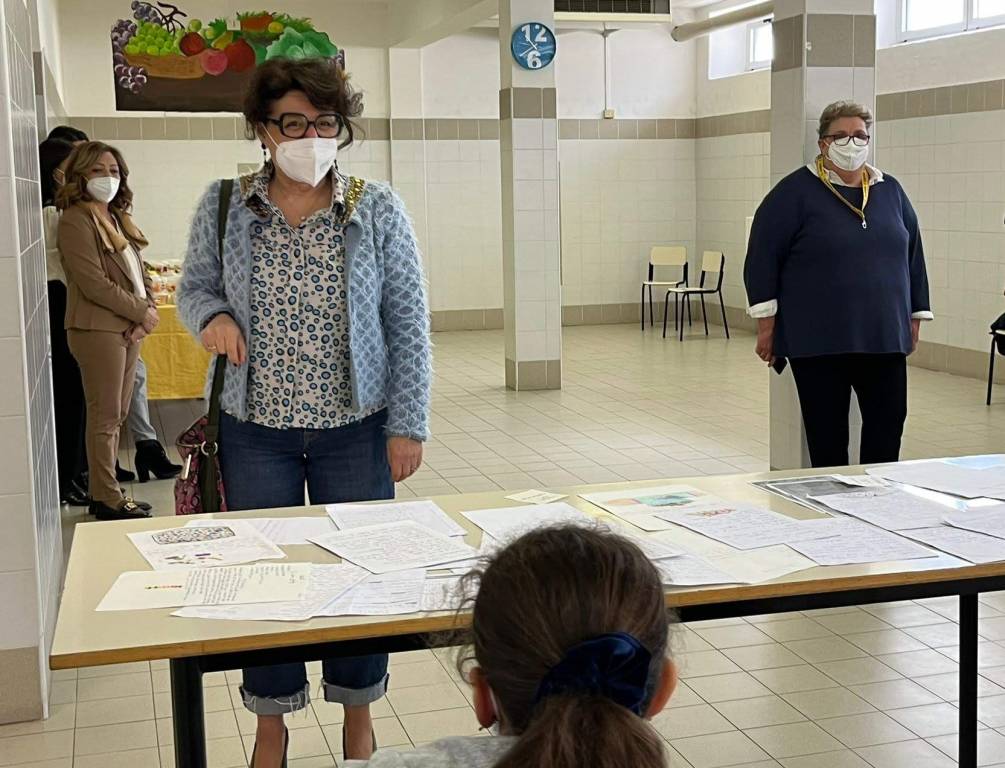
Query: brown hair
(79, 164)
(323, 81)
(546, 592)
(840, 109)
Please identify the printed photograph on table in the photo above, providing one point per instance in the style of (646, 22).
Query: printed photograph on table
(167, 60)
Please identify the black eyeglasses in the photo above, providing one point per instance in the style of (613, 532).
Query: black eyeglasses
(841, 139)
(293, 125)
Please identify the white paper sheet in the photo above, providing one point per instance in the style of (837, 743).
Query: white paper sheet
(536, 497)
(891, 508)
(970, 477)
(989, 520)
(640, 506)
(228, 585)
(285, 531)
(389, 594)
(860, 543)
(442, 594)
(326, 583)
(861, 481)
(968, 545)
(746, 527)
(692, 571)
(204, 543)
(509, 522)
(395, 547)
(427, 513)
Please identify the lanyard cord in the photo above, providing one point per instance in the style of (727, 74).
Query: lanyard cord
(860, 212)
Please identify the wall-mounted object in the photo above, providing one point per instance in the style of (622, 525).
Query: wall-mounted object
(165, 61)
(533, 45)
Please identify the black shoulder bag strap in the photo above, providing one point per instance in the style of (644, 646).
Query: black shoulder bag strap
(208, 482)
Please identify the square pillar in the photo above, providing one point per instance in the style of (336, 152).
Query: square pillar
(532, 295)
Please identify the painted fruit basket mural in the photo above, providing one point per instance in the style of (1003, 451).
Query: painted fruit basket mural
(164, 60)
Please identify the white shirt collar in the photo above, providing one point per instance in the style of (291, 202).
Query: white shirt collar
(875, 175)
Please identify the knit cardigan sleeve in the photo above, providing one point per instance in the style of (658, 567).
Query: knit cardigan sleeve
(405, 316)
(200, 292)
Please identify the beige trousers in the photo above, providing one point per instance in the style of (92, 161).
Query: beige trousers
(107, 369)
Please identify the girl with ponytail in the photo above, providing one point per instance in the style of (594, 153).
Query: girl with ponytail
(568, 658)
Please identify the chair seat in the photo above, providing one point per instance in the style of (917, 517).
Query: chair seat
(999, 333)
(684, 289)
(662, 282)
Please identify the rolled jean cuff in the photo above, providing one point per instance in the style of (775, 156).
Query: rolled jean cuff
(355, 697)
(276, 705)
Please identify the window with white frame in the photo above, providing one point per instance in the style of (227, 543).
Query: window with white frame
(920, 19)
(741, 47)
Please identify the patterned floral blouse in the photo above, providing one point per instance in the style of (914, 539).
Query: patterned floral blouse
(298, 351)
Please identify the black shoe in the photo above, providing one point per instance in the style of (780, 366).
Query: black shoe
(127, 510)
(123, 475)
(79, 488)
(286, 749)
(141, 504)
(150, 457)
(74, 497)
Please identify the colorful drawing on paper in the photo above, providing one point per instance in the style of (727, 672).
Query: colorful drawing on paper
(164, 60)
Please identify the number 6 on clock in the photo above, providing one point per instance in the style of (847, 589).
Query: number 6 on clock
(533, 45)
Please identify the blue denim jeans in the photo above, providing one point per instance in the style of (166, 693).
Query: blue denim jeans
(265, 468)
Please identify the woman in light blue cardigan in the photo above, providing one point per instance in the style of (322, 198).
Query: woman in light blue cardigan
(319, 303)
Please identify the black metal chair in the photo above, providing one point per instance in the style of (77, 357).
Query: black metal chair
(712, 262)
(663, 256)
(996, 338)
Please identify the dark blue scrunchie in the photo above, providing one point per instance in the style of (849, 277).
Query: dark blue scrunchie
(615, 666)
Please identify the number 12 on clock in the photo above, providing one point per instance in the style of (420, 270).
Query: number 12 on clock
(533, 45)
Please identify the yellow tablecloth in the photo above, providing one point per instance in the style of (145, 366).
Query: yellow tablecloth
(176, 363)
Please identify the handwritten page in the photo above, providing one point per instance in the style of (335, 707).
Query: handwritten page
(989, 520)
(228, 585)
(326, 583)
(745, 527)
(536, 497)
(204, 543)
(862, 481)
(425, 513)
(967, 545)
(509, 522)
(970, 477)
(653, 548)
(641, 506)
(395, 547)
(442, 594)
(285, 531)
(390, 594)
(890, 508)
(691, 571)
(860, 543)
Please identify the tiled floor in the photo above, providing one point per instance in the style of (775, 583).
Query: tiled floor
(849, 688)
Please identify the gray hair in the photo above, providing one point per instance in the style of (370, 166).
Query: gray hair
(840, 109)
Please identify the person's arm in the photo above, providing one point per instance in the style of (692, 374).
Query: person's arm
(921, 307)
(405, 315)
(200, 296)
(78, 248)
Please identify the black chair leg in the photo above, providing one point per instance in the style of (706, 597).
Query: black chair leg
(722, 306)
(704, 317)
(642, 312)
(650, 307)
(676, 307)
(991, 369)
(686, 300)
(666, 304)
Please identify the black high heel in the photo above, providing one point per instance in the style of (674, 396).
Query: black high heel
(286, 749)
(151, 458)
(123, 475)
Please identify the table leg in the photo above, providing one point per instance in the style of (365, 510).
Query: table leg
(187, 709)
(968, 681)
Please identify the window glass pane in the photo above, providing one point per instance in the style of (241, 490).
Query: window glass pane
(985, 9)
(926, 14)
(762, 44)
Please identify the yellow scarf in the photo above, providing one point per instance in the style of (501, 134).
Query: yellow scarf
(113, 239)
(825, 178)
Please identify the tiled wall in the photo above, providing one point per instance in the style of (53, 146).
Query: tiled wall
(31, 547)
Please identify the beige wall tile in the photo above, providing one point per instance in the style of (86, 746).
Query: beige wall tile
(647, 129)
(944, 100)
(549, 103)
(505, 103)
(589, 129)
(467, 129)
(959, 99)
(975, 97)
(568, 129)
(993, 94)
(105, 129)
(200, 128)
(488, 129)
(473, 319)
(224, 128)
(379, 129)
(572, 315)
(153, 128)
(832, 39)
(608, 129)
(553, 374)
(528, 102)
(493, 319)
(532, 374)
(912, 104)
(510, 374)
(686, 128)
(176, 128)
(429, 128)
(129, 128)
(446, 130)
(593, 314)
(926, 105)
(20, 673)
(627, 129)
(864, 30)
(85, 124)
(666, 129)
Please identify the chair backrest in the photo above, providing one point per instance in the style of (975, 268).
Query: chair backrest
(668, 256)
(712, 263)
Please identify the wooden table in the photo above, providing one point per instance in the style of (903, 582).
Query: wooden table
(101, 552)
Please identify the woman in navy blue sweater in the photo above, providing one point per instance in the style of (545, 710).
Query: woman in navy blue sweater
(835, 275)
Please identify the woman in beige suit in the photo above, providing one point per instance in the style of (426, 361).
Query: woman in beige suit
(109, 308)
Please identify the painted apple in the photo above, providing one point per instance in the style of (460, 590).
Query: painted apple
(192, 44)
(213, 62)
(240, 56)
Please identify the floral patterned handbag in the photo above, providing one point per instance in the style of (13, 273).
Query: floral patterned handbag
(199, 487)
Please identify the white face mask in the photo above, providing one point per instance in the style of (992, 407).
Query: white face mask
(849, 158)
(103, 188)
(307, 160)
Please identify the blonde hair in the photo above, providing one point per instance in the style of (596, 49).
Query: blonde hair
(840, 109)
(79, 163)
